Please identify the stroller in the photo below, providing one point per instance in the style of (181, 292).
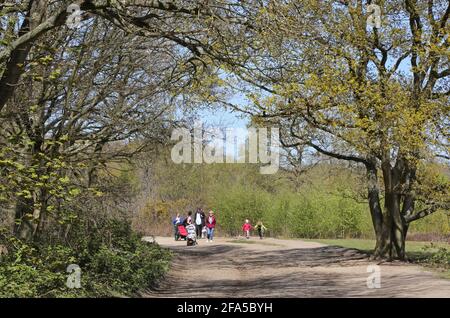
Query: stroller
(191, 238)
(191, 242)
(182, 233)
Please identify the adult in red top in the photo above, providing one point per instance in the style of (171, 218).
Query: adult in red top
(210, 226)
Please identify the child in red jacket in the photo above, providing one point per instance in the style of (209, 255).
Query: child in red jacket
(246, 228)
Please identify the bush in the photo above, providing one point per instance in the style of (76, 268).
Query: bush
(437, 256)
(121, 264)
(312, 213)
(21, 280)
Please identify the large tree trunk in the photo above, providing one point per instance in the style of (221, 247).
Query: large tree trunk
(14, 68)
(390, 241)
(389, 223)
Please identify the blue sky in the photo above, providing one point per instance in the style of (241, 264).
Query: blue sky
(223, 118)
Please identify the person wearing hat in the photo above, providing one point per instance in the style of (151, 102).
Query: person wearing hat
(210, 226)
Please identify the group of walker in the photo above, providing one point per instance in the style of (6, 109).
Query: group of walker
(192, 227)
(195, 226)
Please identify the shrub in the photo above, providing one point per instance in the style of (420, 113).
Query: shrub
(120, 265)
(437, 256)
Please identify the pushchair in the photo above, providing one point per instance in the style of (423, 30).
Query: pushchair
(191, 242)
(182, 233)
(191, 238)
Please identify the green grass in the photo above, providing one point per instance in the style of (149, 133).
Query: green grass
(412, 247)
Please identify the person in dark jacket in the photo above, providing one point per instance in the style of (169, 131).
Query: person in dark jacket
(199, 221)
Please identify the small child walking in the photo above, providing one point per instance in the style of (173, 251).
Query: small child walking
(246, 227)
(261, 229)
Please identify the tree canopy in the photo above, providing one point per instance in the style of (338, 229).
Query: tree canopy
(73, 100)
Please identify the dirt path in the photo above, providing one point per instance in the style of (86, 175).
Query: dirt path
(286, 268)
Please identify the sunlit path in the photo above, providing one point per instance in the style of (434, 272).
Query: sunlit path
(286, 268)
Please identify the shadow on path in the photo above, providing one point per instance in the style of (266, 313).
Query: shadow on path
(237, 271)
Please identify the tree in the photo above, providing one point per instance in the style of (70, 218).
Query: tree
(72, 101)
(376, 97)
(87, 98)
(195, 27)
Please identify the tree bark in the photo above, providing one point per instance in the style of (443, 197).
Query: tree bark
(389, 224)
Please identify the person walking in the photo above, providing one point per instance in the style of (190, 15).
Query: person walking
(246, 227)
(199, 218)
(261, 229)
(188, 219)
(210, 226)
(177, 220)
